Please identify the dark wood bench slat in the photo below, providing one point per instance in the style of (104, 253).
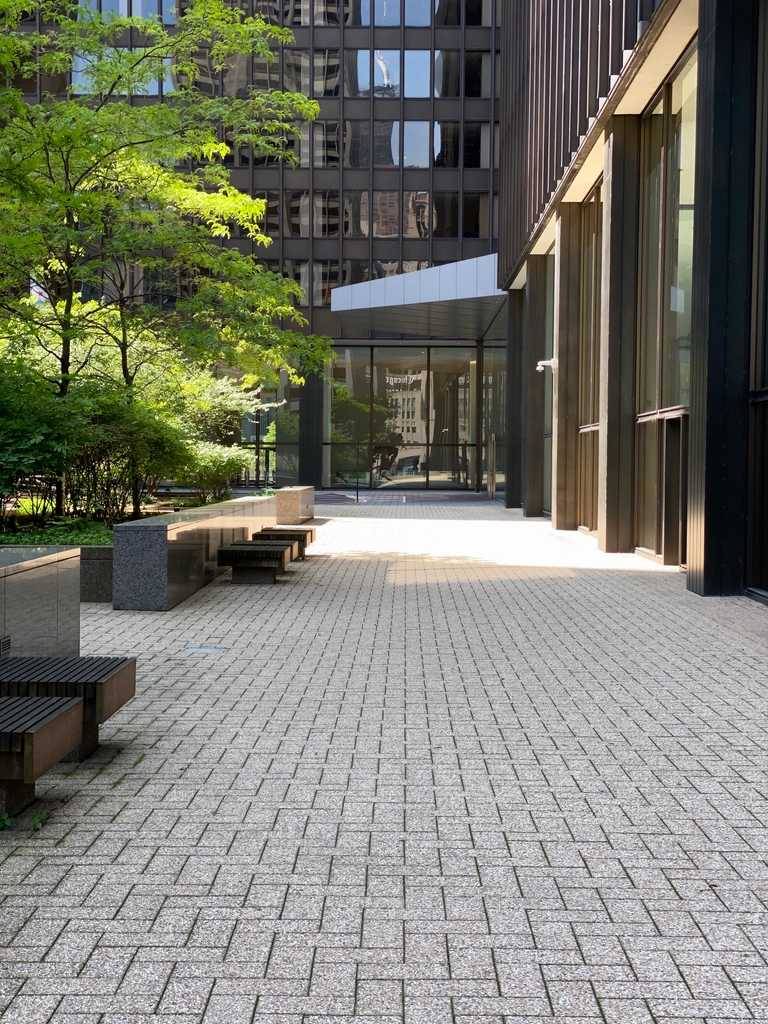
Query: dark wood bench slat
(19, 715)
(36, 732)
(92, 669)
(104, 684)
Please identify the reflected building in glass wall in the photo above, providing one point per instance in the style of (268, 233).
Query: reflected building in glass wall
(398, 172)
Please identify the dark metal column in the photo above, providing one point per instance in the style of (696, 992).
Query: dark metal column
(311, 432)
(514, 412)
(720, 332)
(565, 373)
(534, 330)
(618, 320)
(479, 399)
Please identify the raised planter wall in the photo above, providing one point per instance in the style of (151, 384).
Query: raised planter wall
(295, 505)
(161, 561)
(40, 600)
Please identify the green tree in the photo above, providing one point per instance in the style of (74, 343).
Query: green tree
(117, 216)
(212, 467)
(128, 448)
(39, 437)
(122, 245)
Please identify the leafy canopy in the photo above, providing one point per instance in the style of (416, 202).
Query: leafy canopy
(122, 214)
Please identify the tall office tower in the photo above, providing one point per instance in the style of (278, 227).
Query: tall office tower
(398, 172)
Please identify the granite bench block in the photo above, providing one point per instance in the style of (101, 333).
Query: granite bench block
(295, 505)
(96, 573)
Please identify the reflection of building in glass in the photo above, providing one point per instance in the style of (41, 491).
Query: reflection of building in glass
(398, 172)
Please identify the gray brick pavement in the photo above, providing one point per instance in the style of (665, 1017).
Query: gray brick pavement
(456, 768)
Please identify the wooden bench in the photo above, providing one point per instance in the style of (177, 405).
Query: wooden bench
(104, 684)
(35, 734)
(305, 535)
(257, 562)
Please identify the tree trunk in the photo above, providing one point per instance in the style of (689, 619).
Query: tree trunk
(136, 514)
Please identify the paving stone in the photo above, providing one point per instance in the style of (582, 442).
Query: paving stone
(455, 768)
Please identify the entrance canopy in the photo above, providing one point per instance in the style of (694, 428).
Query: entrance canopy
(458, 301)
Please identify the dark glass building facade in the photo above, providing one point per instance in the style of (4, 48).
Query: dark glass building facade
(398, 173)
(633, 246)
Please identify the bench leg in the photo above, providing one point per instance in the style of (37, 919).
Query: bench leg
(16, 797)
(247, 574)
(89, 744)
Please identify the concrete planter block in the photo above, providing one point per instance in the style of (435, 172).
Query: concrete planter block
(295, 505)
(96, 562)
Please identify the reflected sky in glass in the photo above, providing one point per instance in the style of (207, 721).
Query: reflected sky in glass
(386, 73)
(386, 12)
(419, 12)
(418, 64)
(416, 143)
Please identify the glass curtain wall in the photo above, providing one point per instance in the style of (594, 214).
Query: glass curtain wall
(589, 358)
(408, 416)
(664, 338)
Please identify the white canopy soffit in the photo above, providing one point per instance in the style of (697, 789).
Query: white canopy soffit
(459, 301)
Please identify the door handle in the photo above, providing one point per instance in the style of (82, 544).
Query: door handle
(546, 362)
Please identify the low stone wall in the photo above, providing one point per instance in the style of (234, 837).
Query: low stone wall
(161, 561)
(295, 505)
(40, 600)
(96, 573)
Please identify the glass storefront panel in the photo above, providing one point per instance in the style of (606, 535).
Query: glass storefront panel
(407, 416)
(403, 465)
(647, 470)
(400, 395)
(589, 341)
(350, 419)
(664, 294)
(452, 414)
(452, 466)
(681, 166)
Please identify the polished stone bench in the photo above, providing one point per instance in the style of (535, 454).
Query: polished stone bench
(104, 685)
(304, 535)
(40, 599)
(258, 563)
(35, 734)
